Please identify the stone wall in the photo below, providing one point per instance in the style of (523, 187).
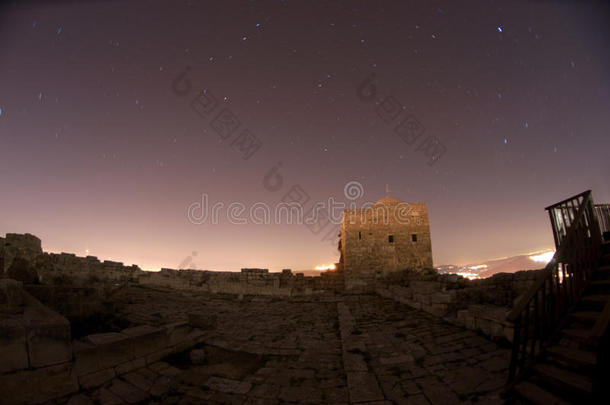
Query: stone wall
(480, 305)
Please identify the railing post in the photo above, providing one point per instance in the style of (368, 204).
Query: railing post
(514, 358)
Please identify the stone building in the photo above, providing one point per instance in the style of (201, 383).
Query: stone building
(388, 236)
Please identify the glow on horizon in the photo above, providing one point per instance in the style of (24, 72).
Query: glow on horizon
(325, 267)
(543, 257)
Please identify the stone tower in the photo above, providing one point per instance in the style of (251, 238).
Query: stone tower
(388, 236)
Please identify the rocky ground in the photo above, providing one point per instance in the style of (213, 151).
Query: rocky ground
(334, 350)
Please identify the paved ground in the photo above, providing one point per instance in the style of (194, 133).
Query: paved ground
(352, 349)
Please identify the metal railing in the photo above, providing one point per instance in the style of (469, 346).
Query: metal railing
(540, 313)
(602, 211)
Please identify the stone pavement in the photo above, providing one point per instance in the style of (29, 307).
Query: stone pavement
(360, 349)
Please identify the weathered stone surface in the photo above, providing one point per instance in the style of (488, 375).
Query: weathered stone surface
(39, 385)
(354, 362)
(202, 321)
(127, 392)
(138, 380)
(22, 270)
(11, 295)
(96, 378)
(147, 339)
(113, 348)
(49, 343)
(275, 351)
(363, 387)
(228, 385)
(80, 399)
(176, 332)
(197, 356)
(307, 395)
(85, 357)
(13, 348)
(130, 365)
(105, 397)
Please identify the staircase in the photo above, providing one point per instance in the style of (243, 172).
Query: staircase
(561, 326)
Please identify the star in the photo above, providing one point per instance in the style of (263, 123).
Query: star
(500, 28)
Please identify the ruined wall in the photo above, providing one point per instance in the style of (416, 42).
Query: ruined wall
(40, 362)
(480, 305)
(66, 269)
(16, 251)
(366, 247)
(247, 282)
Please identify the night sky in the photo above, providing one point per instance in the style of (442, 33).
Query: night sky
(103, 147)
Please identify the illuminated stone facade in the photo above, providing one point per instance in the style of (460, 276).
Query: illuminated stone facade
(389, 236)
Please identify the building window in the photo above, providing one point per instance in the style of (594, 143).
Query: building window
(391, 238)
(359, 235)
(414, 237)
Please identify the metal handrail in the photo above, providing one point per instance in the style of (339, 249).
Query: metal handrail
(540, 312)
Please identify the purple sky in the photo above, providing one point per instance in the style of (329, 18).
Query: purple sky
(98, 153)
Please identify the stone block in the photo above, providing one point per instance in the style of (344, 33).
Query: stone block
(484, 325)
(13, 347)
(47, 333)
(86, 358)
(80, 399)
(440, 298)
(49, 344)
(197, 356)
(176, 332)
(130, 365)
(11, 294)
(156, 356)
(146, 339)
(228, 386)
(425, 287)
(354, 362)
(113, 348)
(423, 299)
(39, 385)
(127, 392)
(363, 387)
(470, 321)
(202, 321)
(21, 269)
(461, 316)
(495, 329)
(97, 378)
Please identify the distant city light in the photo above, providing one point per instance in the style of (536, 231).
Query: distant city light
(468, 275)
(543, 257)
